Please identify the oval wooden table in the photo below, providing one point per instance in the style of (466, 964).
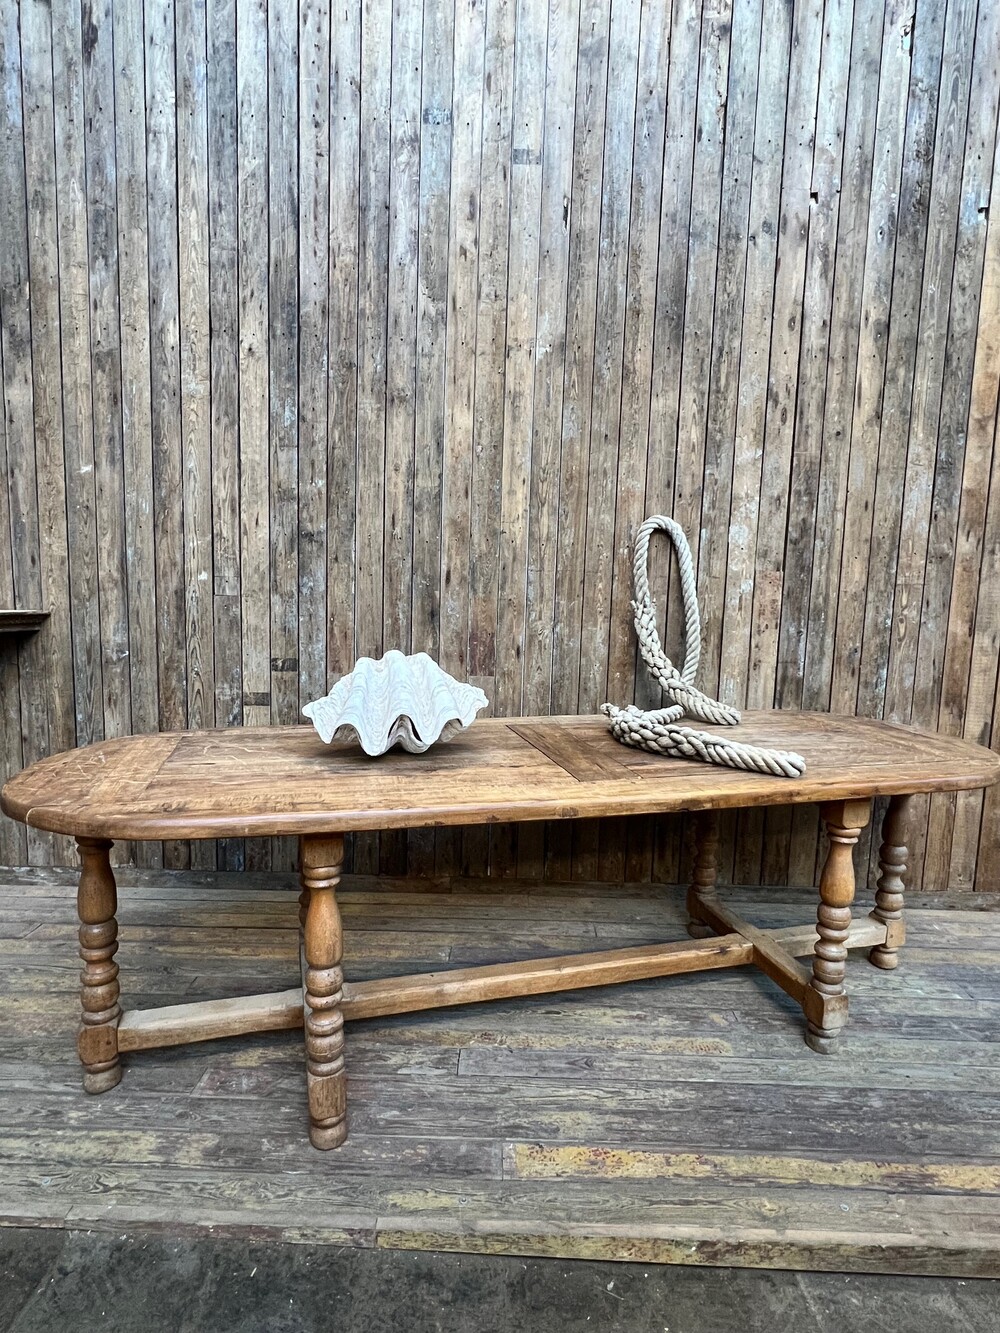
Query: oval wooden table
(283, 781)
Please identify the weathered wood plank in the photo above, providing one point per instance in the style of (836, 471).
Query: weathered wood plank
(343, 387)
(232, 229)
(501, 1128)
(77, 409)
(401, 336)
(106, 366)
(136, 386)
(521, 308)
(724, 369)
(253, 370)
(949, 845)
(25, 673)
(858, 134)
(373, 294)
(49, 662)
(194, 308)
(18, 509)
(447, 231)
(314, 348)
(223, 225)
(283, 325)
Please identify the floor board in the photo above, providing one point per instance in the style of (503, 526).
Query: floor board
(680, 1120)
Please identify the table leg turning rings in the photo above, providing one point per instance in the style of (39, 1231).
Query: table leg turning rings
(821, 994)
(889, 895)
(97, 903)
(323, 990)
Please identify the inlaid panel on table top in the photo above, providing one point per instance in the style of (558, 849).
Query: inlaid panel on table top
(275, 780)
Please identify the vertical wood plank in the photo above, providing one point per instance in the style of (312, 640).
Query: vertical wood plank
(702, 247)
(547, 390)
(627, 841)
(46, 666)
(342, 398)
(497, 94)
(606, 388)
(969, 684)
(612, 275)
(451, 143)
(190, 19)
(876, 291)
(911, 223)
(752, 590)
(519, 377)
(840, 370)
(373, 315)
(806, 525)
(527, 146)
(283, 326)
(724, 367)
(78, 437)
(786, 325)
(106, 366)
(18, 561)
(314, 349)
(223, 240)
(401, 300)
(373, 296)
(401, 367)
(136, 371)
(637, 349)
(283, 371)
(686, 35)
(578, 368)
(783, 384)
(450, 140)
(254, 399)
(579, 381)
(818, 293)
(935, 307)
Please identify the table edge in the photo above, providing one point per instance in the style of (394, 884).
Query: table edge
(143, 828)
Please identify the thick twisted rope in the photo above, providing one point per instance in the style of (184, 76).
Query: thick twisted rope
(658, 730)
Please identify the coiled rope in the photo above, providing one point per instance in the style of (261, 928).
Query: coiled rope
(658, 730)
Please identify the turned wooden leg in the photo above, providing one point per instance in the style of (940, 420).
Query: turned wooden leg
(706, 869)
(889, 898)
(322, 858)
(826, 1002)
(97, 903)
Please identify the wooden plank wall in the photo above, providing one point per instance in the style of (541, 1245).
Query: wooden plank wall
(327, 328)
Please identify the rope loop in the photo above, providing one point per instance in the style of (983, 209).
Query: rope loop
(657, 730)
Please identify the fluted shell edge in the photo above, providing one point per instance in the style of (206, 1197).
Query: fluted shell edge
(396, 700)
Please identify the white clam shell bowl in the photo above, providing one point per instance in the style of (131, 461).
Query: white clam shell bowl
(397, 700)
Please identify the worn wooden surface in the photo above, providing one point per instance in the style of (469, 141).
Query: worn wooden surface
(205, 1020)
(21, 622)
(681, 1120)
(285, 780)
(327, 330)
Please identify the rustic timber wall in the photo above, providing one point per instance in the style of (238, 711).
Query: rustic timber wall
(325, 332)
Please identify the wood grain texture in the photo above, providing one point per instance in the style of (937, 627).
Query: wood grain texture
(329, 327)
(208, 1020)
(505, 1128)
(204, 784)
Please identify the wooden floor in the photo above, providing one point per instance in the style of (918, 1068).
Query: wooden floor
(681, 1120)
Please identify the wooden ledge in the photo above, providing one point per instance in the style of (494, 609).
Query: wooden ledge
(177, 1024)
(21, 622)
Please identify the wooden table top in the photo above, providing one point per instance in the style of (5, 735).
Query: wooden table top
(267, 781)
